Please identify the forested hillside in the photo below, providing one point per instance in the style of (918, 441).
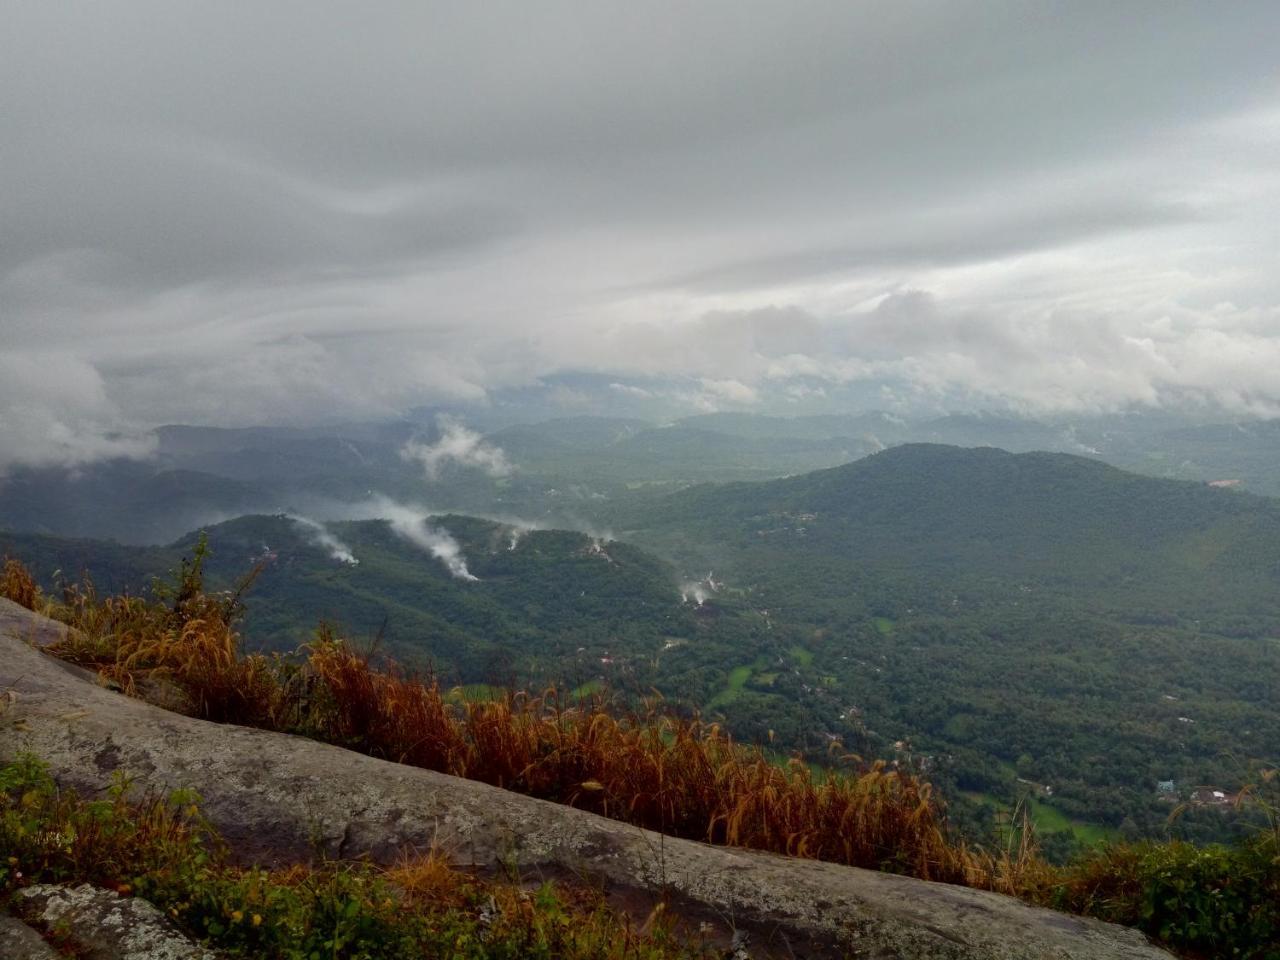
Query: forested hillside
(986, 521)
(1035, 616)
(526, 601)
(1034, 626)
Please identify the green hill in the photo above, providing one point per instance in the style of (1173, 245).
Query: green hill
(1040, 616)
(556, 607)
(1142, 549)
(532, 605)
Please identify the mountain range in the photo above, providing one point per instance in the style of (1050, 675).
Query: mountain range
(566, 472)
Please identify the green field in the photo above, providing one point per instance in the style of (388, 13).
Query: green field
(588, 689)
(1047, 818)
(738, 678)
(477, 693)
(801, 656)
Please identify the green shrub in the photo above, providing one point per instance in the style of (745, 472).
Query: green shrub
(1212, 901)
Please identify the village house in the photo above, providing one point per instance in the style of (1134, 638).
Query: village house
(1212, 797)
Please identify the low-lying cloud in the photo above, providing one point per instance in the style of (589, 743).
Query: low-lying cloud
(436, 541)
(412, 523)
(320, 535)
(54, 411)
(457, 444)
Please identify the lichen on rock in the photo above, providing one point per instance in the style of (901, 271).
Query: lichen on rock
(19, 942)
(102, 925)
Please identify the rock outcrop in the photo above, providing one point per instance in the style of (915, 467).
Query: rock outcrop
(19, 942)
(279, 798)
(102, 925)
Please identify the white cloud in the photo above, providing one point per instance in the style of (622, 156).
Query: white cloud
(411, 523)
(716, 394)
(323, 538)
(630, 390)
(54, 411)
(436, 541)
(460, 445)
(1042, 361)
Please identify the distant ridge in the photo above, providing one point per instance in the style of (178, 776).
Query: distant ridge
(1065, 521)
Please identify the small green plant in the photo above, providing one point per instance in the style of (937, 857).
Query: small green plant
(186, 599)
(50, 836)
(1217, 901)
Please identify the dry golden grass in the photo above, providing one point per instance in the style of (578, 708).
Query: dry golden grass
(673, 774)
(129, 639)
(666, 773)
(17, 584)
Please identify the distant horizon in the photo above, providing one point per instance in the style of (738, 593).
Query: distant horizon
(516, 413)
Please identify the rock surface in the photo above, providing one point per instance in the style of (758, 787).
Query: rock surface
(103, 925)
(38, 631)
(19, 942)
(278, 798)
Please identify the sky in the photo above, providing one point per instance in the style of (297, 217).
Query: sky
(295, 212)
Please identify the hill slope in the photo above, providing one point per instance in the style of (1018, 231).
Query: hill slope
(1000, 616)
(1143, 548)
(1009, 622)
(536, 597)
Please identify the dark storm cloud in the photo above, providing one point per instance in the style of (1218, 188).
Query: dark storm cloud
(214, 212)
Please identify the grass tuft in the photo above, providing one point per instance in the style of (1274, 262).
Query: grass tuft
(17, 584)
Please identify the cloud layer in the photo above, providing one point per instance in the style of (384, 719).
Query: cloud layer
(295, 213)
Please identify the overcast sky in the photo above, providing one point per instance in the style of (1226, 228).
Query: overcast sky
(281, 212)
